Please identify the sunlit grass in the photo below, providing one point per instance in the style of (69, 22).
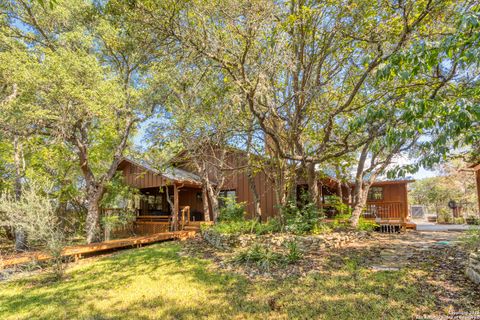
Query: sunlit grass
(155, 283)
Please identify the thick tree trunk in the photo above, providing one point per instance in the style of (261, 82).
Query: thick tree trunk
(313, 188)
(213, 195)
(206, 207)
(93, 214)
(358, 207)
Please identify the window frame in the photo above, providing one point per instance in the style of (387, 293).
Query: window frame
(224, 194)
(371, 191)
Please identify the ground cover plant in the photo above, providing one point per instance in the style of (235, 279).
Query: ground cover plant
(156, 282)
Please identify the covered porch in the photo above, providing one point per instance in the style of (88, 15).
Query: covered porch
(166, 201)
(387, 201)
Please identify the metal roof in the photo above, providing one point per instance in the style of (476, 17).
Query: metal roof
(170, 173)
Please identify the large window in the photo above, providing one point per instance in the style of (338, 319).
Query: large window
(226, 197)
(375, 193)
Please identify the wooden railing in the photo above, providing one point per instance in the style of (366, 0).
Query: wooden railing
(150, 224)
(385, 211)
(185, 213)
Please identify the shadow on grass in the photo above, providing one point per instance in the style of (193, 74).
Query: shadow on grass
(159, 266)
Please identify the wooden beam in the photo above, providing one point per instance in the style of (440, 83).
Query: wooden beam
(175, 206)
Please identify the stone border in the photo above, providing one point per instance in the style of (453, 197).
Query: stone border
(305, 242)
(473, 267)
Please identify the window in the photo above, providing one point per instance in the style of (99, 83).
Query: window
(375, 193)
(226, 197)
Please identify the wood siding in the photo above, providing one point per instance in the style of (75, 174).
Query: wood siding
(138, 177)
(236, 179)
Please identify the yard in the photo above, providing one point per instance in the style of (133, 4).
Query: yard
(163, 281)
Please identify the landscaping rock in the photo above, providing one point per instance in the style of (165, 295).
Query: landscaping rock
(473, 267)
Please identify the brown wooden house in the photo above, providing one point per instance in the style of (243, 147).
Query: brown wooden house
(387, 200)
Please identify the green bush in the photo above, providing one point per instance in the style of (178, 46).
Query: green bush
(472, 239)
(232, 211)
(367, 225)
(248, 226)
(458, 220)
(445, 216)
(264, 258)
(293, 252)
(301, 219)
(473, 220)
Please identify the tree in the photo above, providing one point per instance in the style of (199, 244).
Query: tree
(304, 69)
(92, 88)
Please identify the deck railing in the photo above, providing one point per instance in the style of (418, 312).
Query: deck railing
(385, 211)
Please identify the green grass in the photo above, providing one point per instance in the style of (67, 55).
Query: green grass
(156, 283)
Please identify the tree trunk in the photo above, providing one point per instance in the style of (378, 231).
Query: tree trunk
(173, 227)
(358, 207)
(206, 208)
(93, 214)
(257, 210)
(213, 195)
(20, 235)
(340, 195)
(313, 189)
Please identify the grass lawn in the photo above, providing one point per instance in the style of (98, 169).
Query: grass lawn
(156, 283)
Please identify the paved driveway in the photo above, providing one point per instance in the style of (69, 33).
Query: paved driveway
(425, 226)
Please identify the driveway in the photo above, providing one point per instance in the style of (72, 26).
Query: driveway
(426, 226)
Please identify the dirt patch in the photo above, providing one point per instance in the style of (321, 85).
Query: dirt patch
(433, 260)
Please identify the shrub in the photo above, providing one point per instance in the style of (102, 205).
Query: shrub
(473, 220)
(445, 216)
(232, 211)
(247, 226)
(35, 214)
(367, 225)
(264, 258)
(472, 239)
(322, 228)
(301, 219)
(119, 218)
(458, 220)
(293, 254)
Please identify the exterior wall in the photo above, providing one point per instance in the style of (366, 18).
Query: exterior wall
(138, 177)
(393, 192)
(237, 180)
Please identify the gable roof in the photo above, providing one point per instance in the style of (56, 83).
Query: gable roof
(170, 173)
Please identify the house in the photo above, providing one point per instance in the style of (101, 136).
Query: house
(181, 189)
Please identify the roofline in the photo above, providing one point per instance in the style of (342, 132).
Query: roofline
(386, 182)
(157, 172)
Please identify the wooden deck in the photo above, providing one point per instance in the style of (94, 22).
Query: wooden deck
(78, 251)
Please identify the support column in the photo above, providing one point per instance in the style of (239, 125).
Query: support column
(175, 206)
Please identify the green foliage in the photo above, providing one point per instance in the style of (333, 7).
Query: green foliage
(367, 224)
(247, 226)
(35, 214)
(264, 258)
(472, 239)
(231, 211)
(342, 221)
(301, 218)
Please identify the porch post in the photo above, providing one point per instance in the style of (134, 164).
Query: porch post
(175, 206)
